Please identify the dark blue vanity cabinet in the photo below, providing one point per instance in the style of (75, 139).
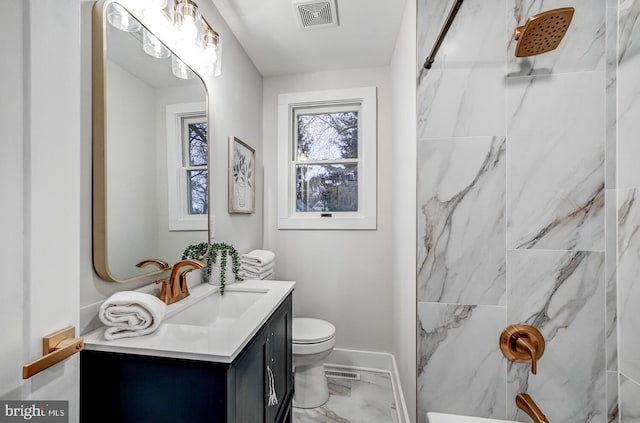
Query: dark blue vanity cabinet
(131, 388)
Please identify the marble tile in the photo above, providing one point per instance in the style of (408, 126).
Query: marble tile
(368, 400)
(461, 103)
(611, 93)
(582, 48)
(464, 93)
(562, 294)
(453, 378)
(629, 404)
(628, 85)
(475, 40)
(613, 411)
(611, 272)
(461, 223)
(628, 287)
(555, 168)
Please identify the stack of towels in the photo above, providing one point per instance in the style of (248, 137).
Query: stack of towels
(257, 264)
(129, 313)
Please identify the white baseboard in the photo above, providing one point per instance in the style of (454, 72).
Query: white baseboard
(369, 360)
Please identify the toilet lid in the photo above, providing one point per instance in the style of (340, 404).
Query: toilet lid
(310, 331)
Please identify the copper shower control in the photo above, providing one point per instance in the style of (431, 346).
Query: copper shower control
(522, 343)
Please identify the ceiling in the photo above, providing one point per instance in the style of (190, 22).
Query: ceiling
(269, 32)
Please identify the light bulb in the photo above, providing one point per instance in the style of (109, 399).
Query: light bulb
(189, 28)
(119, 18)
(209, 56)
(187, 17)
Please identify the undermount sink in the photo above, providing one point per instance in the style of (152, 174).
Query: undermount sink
(454, 418)
(218, 308)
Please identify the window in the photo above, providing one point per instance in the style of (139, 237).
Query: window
(187, 164)
(327, 159)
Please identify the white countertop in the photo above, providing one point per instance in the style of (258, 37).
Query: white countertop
(217, 342)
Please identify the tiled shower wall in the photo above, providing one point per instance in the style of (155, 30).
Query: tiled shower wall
(520, 214)
(627, 191)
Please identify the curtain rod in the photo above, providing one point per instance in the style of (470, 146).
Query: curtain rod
(443, 33)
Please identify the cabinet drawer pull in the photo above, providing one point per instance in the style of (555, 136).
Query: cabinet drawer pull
(273, 397)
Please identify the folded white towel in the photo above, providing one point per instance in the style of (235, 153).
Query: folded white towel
(245, 274)
(129, 313)
(256, 269)
(248, 275)
(260, 257)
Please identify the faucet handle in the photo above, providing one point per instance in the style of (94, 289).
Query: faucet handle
(165, 291)
(522, 343)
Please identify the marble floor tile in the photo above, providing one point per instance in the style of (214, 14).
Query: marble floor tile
(368, 400)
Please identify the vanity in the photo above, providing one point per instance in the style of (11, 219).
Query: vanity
(215, 358)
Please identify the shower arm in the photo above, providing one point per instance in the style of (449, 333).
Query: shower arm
(443, 33)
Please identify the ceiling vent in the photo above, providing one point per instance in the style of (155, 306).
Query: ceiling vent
(316, 14)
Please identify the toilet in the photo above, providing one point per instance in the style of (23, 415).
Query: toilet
(313, 341)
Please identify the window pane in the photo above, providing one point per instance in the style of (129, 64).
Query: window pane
(328, 136)
(327, 188)
(198, 199)
(198, 144)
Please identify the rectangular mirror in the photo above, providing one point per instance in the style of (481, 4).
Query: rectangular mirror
(150, 149)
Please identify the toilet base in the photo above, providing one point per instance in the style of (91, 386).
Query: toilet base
(311, 389)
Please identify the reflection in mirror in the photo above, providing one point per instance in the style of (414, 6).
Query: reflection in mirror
(150, 149)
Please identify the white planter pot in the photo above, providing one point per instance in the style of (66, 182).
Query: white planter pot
(230, 278)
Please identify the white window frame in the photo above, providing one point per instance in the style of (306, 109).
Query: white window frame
(365, 217)
(178, 197)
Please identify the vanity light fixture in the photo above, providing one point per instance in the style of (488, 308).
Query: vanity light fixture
(187, 18)
(193, 37)
(212, 54)
(154, 47)
(180, 70)
(121, 19)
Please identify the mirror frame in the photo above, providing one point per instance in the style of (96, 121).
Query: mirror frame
(99, 138)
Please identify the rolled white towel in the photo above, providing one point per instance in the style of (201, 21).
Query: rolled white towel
(259, 257)
(128, 313)
(256, 269)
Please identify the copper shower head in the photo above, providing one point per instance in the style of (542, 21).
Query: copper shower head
(543, 32)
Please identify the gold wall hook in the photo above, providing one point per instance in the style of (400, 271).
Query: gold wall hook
(55, 347)
(522, 343)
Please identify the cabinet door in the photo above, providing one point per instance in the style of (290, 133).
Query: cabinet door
(280, 362)
(251, 382)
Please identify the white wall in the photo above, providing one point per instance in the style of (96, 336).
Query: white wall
(11, 189)
(40, 178)
(235, 105)
(403, 66)
(343, 276)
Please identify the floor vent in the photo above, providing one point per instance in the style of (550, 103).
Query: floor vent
(315, 14)
(338, 373)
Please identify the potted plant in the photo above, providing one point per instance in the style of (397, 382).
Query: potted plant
(217, 257)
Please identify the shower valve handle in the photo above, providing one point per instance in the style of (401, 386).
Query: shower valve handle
(522, 343)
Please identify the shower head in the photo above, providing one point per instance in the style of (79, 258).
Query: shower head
(543, 32)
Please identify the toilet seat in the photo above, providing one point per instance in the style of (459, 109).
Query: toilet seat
(307, 331)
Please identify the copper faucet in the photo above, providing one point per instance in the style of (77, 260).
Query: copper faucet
(175, 288)
(526, 404)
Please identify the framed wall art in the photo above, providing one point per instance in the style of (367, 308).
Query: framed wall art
(242, 164)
